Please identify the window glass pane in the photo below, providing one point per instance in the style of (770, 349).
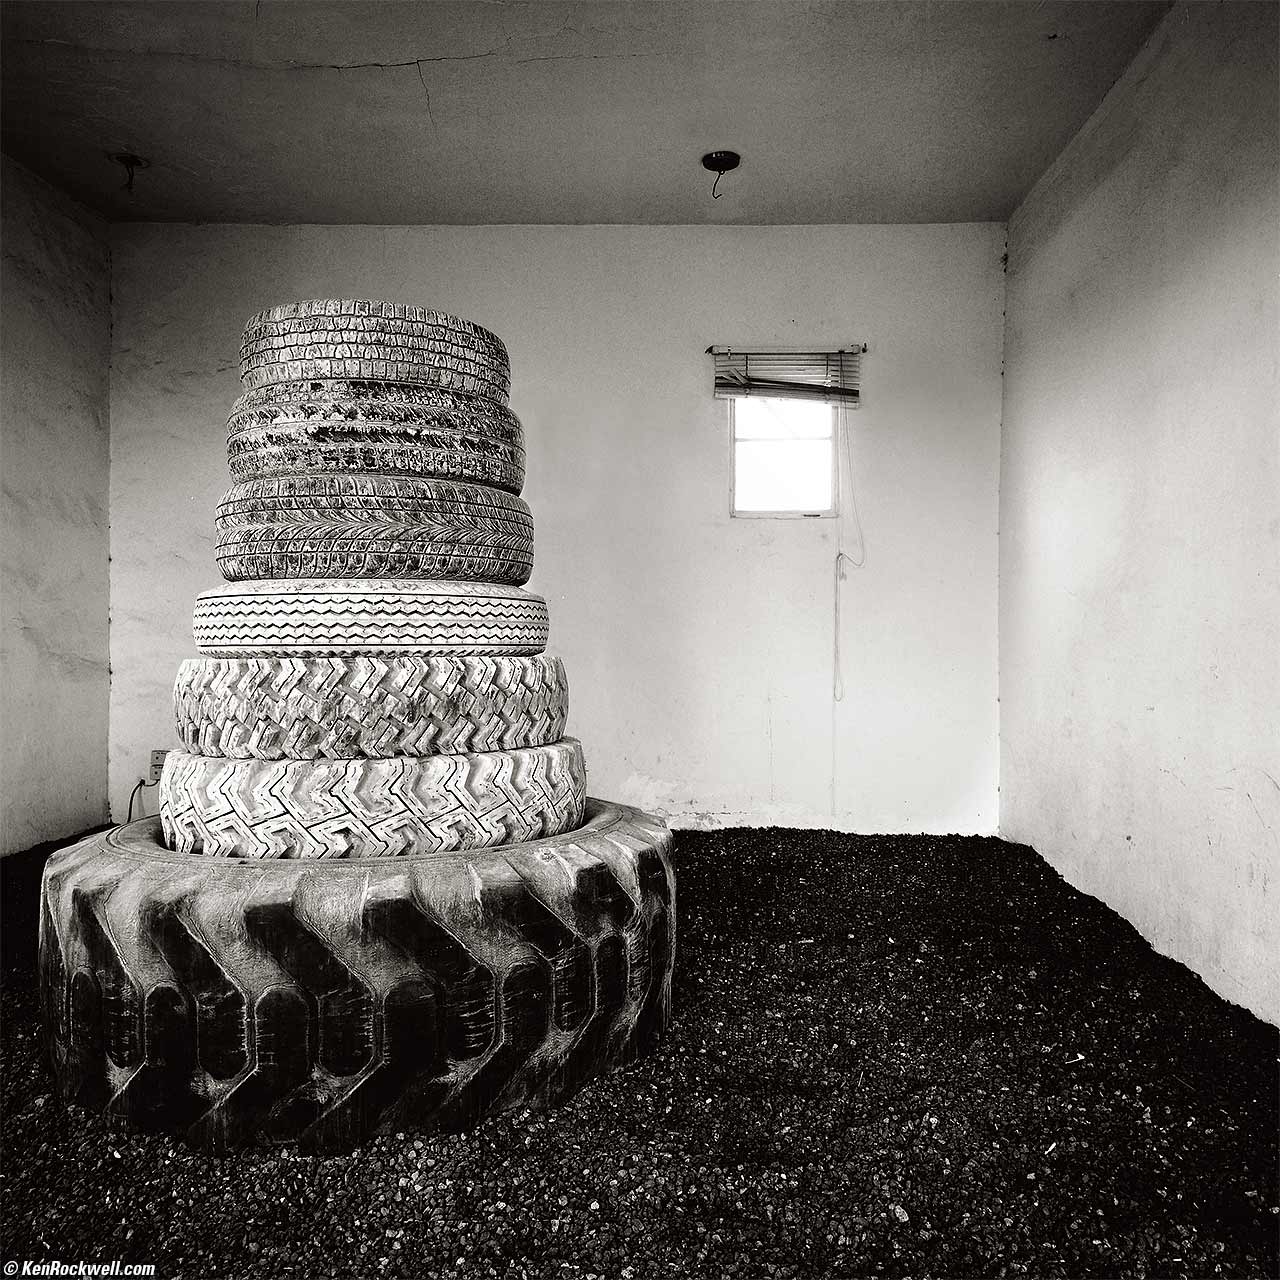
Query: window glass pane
(782, 475)
(759, 418)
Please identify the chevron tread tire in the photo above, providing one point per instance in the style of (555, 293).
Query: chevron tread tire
(240, 1004)
(399, 806)
(352, 707)
(319, 617)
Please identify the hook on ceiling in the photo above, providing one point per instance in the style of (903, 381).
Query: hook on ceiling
(131, 164)
(720, 163)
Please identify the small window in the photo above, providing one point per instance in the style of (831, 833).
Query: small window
(783, 457)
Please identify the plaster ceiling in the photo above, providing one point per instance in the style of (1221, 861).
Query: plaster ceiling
(480, 111)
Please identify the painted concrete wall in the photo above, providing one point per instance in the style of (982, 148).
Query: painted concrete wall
(1139, 594)
(699, 648)
(55, 336)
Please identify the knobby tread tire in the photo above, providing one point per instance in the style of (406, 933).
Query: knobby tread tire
(370, 526)
(328, 426)
(314, 1004)
(318, 617)
(343, 708)
(400, 806)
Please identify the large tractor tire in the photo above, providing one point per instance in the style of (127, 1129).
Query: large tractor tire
(314, 617)
(368, 706)
(400, 806)
(372, 526)
(240, 1004)
(352, 426)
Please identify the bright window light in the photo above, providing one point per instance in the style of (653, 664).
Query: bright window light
(783, 456)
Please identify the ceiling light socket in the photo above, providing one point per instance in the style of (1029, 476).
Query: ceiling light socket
(131, 164)
(721, 161)
(130, 161)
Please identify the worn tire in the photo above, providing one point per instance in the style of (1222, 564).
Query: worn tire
(448, 374)
(305, 499)
(373, 550)
(347, 344)
(344, 708)
(314, 617)
(331, 331)
(426, 359)
(407, 344)
(401, 806)
(370, 315)
(371, 526)
(387, 428)
(237, 1004)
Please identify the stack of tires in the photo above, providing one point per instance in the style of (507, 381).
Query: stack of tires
(377, 895)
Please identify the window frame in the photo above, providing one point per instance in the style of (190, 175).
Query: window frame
(734, 514)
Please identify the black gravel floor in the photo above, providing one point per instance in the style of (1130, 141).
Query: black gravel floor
(892, 1056)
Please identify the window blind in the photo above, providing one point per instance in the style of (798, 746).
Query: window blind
(830, 376)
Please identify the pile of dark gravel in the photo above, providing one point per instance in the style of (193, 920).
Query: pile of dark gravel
(909, 1056)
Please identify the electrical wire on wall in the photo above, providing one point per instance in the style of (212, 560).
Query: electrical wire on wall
(843, 562)
(133, 795)
(843, 559)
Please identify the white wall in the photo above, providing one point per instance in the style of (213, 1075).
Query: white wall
(1139, 595)
(55, 334)
(699, 649)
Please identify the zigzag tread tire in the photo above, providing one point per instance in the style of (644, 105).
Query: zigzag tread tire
(319, 617)
(243, 1004)
(401, 806)
(342, 708)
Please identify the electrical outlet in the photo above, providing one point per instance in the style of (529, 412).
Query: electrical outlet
(157, 764)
